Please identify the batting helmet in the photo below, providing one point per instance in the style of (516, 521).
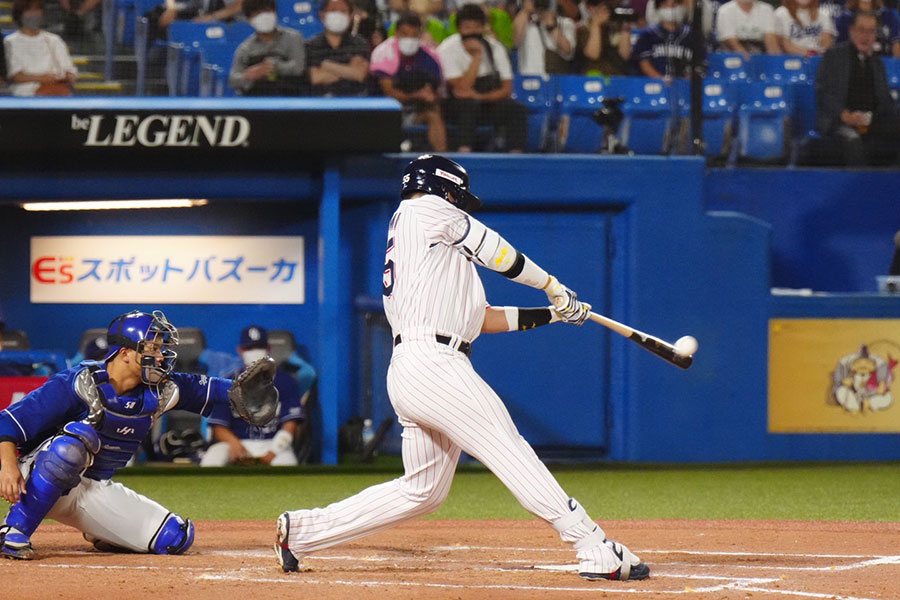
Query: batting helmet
(442, 177)
(135, 330)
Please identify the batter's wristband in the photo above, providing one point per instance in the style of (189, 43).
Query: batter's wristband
(281, 442)
(529, 318)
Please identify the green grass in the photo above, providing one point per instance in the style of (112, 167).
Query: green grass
(839, 492)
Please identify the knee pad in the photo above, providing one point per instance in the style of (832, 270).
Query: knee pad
(85, 433)
(61, 463)
(175, 535)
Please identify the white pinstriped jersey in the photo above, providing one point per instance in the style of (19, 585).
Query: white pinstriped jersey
(430, 286)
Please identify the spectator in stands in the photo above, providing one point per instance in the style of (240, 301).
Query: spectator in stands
(498, 22)
(434, 31)
(76, 13)
(803, 27)
(96, 349)
(235, 439)
(366, 22)
(199, 11)
(545, 39)
(746, 27)
(665, 50)
(2, 67)
(854, 104)
(410, 72)
(479, 76)
(888, 42)
(271, 62)
(337, 61)
(38, 62)
(603, 46)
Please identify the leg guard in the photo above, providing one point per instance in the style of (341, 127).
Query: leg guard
(175, 535)
(57, 469)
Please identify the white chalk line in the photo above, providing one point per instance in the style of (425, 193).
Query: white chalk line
(648, 551)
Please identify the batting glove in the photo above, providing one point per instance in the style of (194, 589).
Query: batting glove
(566, 302)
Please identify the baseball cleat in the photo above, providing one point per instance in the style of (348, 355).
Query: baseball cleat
(16, 546)
(611, 561)
(288, 562)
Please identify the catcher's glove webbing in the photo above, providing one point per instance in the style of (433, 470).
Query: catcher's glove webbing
(253, 395)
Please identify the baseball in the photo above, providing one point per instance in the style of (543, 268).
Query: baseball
(686, 346)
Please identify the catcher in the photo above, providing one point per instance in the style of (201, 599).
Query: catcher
(74, 432)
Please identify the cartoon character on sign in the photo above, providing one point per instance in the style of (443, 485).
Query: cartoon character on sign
(862, 382)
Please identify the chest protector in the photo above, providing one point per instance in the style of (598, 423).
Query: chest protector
(122, 423)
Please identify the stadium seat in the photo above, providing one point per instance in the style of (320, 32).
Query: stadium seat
(88, 337)
(301, 15)
(538, 94)
(14, 339)
(778, 68)
(215, 65)
(183, 55)
(238, 31)
(579, 98)
(763, 119)
(719, 112)
(143, 46)
(648, 121)
(892, 67)
(730, 67)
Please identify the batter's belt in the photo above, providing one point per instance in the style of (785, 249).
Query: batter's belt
(464, 347)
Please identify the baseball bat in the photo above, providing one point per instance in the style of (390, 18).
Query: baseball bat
(662, 349)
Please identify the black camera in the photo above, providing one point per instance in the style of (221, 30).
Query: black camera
(623, 14)
(611, 115)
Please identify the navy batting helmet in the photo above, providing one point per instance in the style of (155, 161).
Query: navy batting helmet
(442, 177)
(135, 330)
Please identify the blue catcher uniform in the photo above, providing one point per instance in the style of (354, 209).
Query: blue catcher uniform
(74, 432)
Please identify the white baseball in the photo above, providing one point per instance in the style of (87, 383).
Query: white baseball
(686, 346)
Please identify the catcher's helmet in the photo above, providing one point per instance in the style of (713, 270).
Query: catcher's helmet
(442, 177)
(134, 330)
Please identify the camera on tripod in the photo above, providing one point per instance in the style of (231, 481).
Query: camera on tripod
(609, 117)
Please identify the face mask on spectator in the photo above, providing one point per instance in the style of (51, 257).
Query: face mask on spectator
(336, 21)
(671, 14)
(408, 46)
(264, 22)
(252, 355)
(33, 22)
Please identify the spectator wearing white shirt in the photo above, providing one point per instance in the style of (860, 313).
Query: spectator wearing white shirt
(546, 40)
(803, 27)
(37, 61)
(479, 75)
(747, 27)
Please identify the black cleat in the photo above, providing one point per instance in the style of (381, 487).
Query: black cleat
(288, 562)
(636, 573)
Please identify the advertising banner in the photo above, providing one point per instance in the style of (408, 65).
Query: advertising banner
(833, 375)
(167, 269)
(13, 389)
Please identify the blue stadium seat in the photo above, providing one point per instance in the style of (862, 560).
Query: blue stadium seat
(649, 115)
(779, 68)
(143, 47)
(578, 98)
(803, 115)
(302, 15)
(730, 67)
(812, 67)
(238, 31)
(186, 39)
(215, 64)
(892, 67)
(763, 115)
(538, 94)
(719, 114)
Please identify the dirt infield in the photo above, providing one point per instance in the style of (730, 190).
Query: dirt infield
(715, 560)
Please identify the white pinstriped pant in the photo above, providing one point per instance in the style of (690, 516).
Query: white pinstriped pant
(444, 407)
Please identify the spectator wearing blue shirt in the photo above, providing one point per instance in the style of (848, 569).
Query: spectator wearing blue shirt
(888, 40)
(236, 440)
(664, 50)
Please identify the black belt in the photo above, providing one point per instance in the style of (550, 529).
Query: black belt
(464, 347)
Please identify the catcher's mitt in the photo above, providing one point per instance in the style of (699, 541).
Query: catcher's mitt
(253, 395)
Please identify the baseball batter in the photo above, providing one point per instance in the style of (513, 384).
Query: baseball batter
(435, 303)
(85, 423)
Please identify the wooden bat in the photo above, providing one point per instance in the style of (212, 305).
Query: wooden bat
(662, 349)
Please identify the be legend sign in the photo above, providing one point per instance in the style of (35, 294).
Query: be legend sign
(167, 269)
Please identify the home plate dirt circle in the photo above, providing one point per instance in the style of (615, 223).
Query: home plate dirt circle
(514, 559)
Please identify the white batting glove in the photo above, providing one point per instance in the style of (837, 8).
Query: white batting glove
(566, 302)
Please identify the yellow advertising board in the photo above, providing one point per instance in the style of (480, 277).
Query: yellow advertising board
(833, 375)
